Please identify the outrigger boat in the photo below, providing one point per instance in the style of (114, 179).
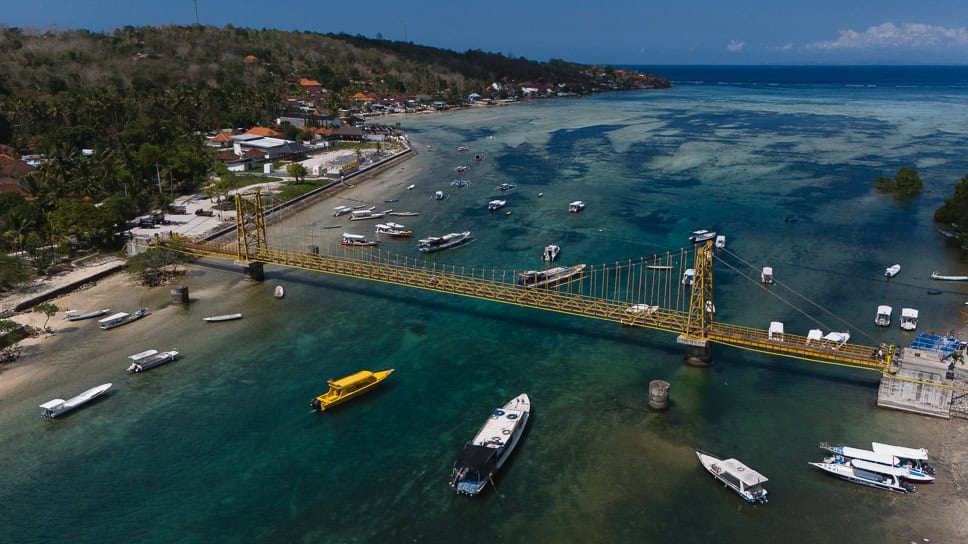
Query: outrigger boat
(74, 315)
(351, 386)
(746, 482)
(551, 277)
(393, 229)
(150, 359)
(121, 318)
(483, 456)
(56, 407)
(432, 244)
(357, 240)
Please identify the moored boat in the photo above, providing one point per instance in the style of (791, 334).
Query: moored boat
(689, 276)
(506, 186)
(279, 292)
(912, 458)
(869, 474)
(576, 206)
(883, 316)
(551, 252)
(701, 235)
(223, 317)
(496, 204)
(461, 168)
(56, 407)
(393, 229)
(411, 186)
(74, 315)
(357, 240)
(368, 213)
(341, 210)
(844, 454)
(720, 241)
(551, 277)
(150, 359)
(936, 276)
(490, 448)
(892, 270)
(349, 387)
(439, 195)
(121, 318)
(432, 244)
(766, 275)
(743, 480)
(909, 319)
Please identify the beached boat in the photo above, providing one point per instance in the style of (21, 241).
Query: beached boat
(223, 317)
(341, 210)
(437, 243)
(868, 473)
(349, 387)
(909, 319)
(506, 186)
(844, 454)
(490, 448)
(411, 186)
(911, 458)
(883, 316)
(368, 213)
(496, 204)
(720, 241)
(551, 252)
(743, 480)
(892, 270)
(56, 407)
(551, 277)
(936, 276)
(701, 235)
(403, 214)
(766, 275)
(356, 240)
(576, 206)
(74, 315)
(150, 359)
(121, 318)
(393, 229)
(279, 292)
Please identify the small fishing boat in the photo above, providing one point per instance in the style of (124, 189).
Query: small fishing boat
(496, 204)
(223, 317)
(701, 235)
(490, 448)
(349, 387)
(395, 230)
(478, 158)
(368, 213)
(56, 407)
(576, 206)
(869, 474)
(461, 168)
(689, 276)
(791, 218)
(411, 186)
(935, 291)
(439, 195)
(460, 183)
(121, 318)
(936, 276)
(150, 359)
(551, 252)
(506, 186)
(743, 480)
(892, 270)
(341, 210)
(74, 315)
(357, 240)
(916, 458)
(909, 319)
(720, 241)
(403, 214)
(844, 454)
(432, 244)
(883, 316)
(462, 148)
(279, 292)
(392, 200)
(662, 267)
(551, 277)
(766, 275)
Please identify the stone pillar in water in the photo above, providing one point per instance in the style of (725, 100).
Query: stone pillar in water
(699, 355)
(252, 270)
(659, 394)
(179, 295)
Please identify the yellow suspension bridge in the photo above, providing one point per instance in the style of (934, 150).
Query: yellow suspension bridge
(647, 292)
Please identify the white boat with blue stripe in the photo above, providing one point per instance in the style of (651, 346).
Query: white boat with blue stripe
(845, 454)
(483, 456)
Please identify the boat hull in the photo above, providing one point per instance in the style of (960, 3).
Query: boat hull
(52, 409)
(848, 473)
(496, 440)
(219, 318)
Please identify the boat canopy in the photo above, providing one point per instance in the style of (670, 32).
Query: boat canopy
(477, 458)
(51, 404)
(877, 467)
(909, 313)
(814, 334)
(139, 356)
(113, 317)
(356, 237)
(884, 310)
(776, 330)
(839, 337)
(919, 454)
(868, 455)
(743, 473)
(353, 379)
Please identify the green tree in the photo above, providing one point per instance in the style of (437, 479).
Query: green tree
(955, 209)
(48, 310)
(13, 272)
(908, 181)
(297, 171)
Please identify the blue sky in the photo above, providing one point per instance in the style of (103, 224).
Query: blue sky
(588, 31)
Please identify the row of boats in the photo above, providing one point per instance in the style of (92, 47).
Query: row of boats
(884, 466)
(909, 317)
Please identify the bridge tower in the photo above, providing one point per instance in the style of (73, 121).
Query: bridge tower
(251, 237)
(701, 308)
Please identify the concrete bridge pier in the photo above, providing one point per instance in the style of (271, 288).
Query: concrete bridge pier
(699, 351)
(253, 270)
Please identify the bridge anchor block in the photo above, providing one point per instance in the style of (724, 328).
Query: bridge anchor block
(253, 270)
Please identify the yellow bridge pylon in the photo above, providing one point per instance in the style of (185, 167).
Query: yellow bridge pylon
(651, 292)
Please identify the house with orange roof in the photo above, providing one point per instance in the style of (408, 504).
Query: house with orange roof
(265, 132)
(11, 172)
(311, 86)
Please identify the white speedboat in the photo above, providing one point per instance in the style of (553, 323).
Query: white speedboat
(393, 229)
(551, 252)
(551, 277)
(483, 456)
(223, 317)
(121, 318)
(279, 292)
(150, 359)
(746, 482)
(701, 236)
(766, 275)
(496, 204)
(357, 240)
(868, 473)
(432, 244)
(576, 206)
(506, 186)
(911, 458)
(56, 407)
(341, 210)
(439, 195)
(892, 270)
(909, 319)
(74, 315)
(411, 186)
(844, 454)
(883, 316)
(368, 213)
(720, 241)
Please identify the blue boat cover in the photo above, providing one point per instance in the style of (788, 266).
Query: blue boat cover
(932, 342)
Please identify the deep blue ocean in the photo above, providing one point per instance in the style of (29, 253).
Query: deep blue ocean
(221, 446)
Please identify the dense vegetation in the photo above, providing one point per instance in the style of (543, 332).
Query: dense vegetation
(954, 213)
(906, 182)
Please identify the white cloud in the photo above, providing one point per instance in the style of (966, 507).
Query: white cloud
(735, 46)
(891, 36)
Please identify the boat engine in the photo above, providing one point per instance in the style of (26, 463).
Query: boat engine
(315, 404)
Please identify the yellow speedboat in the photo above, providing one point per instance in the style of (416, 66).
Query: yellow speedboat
(344, 389)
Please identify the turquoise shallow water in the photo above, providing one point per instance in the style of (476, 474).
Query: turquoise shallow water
(221, 446)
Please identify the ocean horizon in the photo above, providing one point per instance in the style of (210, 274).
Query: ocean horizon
(222, 445)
